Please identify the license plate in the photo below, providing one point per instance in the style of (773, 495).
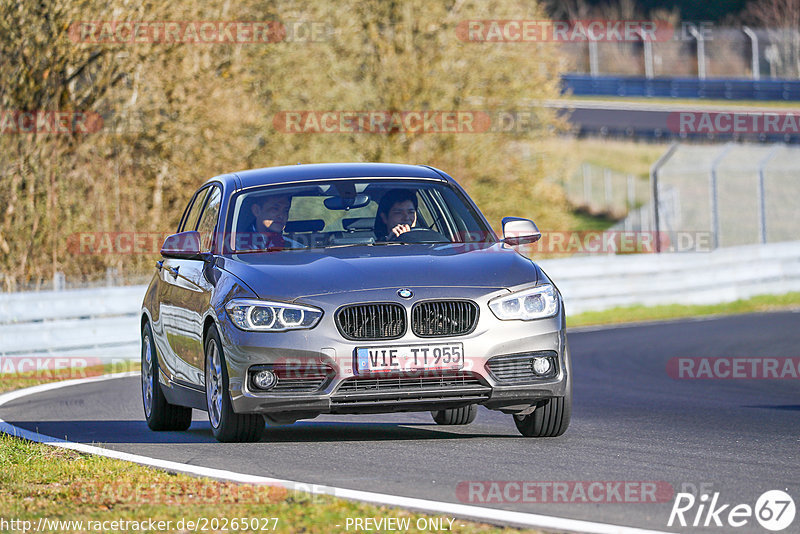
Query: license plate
(409, 358)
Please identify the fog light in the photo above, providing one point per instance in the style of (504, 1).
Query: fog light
(265, 379)
(541, 366)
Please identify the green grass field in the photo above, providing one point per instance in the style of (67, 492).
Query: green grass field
(634, 314)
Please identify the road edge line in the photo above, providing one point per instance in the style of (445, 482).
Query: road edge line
(465, 511)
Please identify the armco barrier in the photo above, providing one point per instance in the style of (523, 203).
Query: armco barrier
(104, 322)
(101, 322)
(727, 274)
(717, 88)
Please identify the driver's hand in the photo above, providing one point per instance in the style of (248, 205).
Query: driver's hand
(401, 229)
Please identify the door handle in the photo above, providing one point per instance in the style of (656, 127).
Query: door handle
(174, 271)
(159, 264)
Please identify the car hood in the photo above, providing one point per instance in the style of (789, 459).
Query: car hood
(291, 274)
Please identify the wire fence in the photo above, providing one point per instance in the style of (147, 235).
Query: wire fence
(742, 194)
(600, 190)
(724, 52)
(739, 194)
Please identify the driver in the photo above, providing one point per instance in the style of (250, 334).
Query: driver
(397, 214)
(271, 215)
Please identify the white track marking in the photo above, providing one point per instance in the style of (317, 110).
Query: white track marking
(490, 515)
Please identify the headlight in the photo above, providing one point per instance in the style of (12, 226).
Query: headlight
(536, 303)
(267, 316)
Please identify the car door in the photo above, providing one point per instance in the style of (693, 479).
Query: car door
(187, 295)
(164, 324)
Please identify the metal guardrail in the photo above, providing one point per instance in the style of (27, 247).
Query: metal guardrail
(101, 322)
(104, 323)
(599, 283)
(717, 89)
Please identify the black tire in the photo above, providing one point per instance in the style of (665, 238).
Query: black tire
(456, 416)
(226, 425)
(548, 420)
(161, 414)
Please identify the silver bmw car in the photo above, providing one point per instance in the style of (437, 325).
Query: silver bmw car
(290, 292)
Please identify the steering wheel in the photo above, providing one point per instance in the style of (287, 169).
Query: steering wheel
(420, 235)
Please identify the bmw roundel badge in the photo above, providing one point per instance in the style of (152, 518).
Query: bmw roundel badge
(405, 293)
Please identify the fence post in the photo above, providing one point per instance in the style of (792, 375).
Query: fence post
(648, 54)
(754, 47)
(59, 281)
(112, 276)
(654, 185)
(607, 186)
(713, 195)
(631, 203)
(701, 52)
(594, 68)
(762, 211)
(587, 186)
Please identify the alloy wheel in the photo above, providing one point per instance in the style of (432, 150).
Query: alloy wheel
(213, 383)
(147, 375)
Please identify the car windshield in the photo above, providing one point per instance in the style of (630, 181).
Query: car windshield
(350, 213)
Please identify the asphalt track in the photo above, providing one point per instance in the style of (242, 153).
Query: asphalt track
(659, 121)
(631, 422)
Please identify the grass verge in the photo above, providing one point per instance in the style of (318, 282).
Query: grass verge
(633, 314)
(49, 484)
(622, 156)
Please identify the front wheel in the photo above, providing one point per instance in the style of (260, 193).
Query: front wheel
(160, 414)
(456, 416)
(548, 420)
(226, 425)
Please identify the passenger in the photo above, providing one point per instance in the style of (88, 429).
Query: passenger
(397, 214)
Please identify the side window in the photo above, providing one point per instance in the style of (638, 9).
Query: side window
(190, 222)
(433, 208)
(208, 221)
(424, 211)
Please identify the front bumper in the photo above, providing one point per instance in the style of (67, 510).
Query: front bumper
(344, 390)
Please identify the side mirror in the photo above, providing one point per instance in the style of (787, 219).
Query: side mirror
(184, 246)
(518, 231)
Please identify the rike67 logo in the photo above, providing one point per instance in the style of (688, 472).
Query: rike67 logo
(774, 510)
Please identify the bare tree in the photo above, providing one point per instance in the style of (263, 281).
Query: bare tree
(781, 18)
(176, 114)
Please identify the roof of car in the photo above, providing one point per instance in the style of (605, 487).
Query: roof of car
(322, 171)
